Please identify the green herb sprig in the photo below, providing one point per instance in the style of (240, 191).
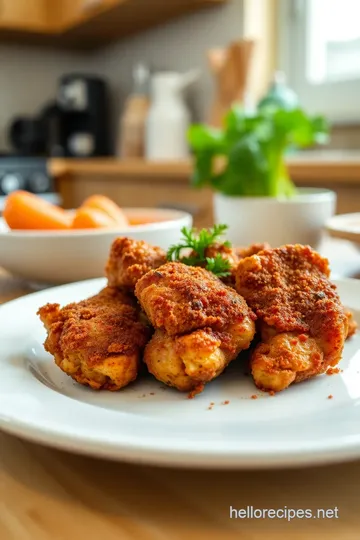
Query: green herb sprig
(198, 242)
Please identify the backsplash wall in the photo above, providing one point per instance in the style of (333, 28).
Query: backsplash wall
(29, 79)
(179, 45)
(29, 74)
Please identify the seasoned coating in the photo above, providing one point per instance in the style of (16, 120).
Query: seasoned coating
(233, 255)
(98, 342)
(227, 253)
(253, 249)
(129, 260)
(201, 325)
(189, 361)
(284, 359)
(289, 290)
(179, 298)
(286, 286)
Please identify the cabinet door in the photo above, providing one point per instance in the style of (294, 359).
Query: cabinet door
(71, 12)
(24, 14)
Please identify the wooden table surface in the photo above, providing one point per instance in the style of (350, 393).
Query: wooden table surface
(52, 495)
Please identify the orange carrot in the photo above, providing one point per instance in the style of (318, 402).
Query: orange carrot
(90, 218)
(24, 210)
(104, 204)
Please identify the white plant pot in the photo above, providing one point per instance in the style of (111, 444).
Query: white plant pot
(300, 219)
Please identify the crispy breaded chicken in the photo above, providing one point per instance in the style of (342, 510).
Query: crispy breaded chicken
(129, 260)
(253, 249)
(228, 253)
(233, 255)
(302, 321)
(98, 342)
(201, 325)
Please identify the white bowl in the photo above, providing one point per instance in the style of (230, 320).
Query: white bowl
(345, 226)
(56, 257)
(298, 220)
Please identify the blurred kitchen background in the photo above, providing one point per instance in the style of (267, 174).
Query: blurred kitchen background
(96, 95)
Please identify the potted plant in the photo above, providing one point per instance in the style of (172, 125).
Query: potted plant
(245, 164)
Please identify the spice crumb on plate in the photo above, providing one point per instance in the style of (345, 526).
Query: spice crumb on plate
(254, 396)
(330, 396)
(333, 371)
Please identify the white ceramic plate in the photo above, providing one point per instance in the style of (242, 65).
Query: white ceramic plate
(147, 422)
(345, 226)
(43, 256)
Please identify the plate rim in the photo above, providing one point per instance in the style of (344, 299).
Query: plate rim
(336, 226)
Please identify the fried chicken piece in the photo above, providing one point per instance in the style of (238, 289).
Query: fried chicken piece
(98, 342)
(129, 260)
(253, 249)
(228, 253)
(233, 255)
(302, 321)
(285, 358)
(201, 325)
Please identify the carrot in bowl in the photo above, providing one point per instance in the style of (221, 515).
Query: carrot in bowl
(24, 210)
(90, 218)
(106, 205)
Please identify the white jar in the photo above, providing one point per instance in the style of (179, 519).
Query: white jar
(168, 119)
(298, 220)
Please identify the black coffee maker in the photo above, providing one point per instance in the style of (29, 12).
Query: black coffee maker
(83, 102)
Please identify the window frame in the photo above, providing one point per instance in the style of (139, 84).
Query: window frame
(338, 100)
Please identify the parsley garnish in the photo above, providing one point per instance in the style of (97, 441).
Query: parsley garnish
(198, 243)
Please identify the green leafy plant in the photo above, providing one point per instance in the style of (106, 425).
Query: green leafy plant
(251, 150)
(198, 244)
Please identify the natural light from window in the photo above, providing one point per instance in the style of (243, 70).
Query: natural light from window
(333, 40)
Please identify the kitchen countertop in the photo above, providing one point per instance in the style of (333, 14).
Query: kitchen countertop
(47, 494)
(312, 166)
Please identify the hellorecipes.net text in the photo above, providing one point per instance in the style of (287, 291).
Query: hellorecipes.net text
(251, 512)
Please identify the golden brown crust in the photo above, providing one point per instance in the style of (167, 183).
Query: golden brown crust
(163, 357)
(285, 359)
(248, 251)
(97, 341)
(289, 290)
(287, 287)
(129, 260)
(180, 298)
(233, 255)
(201, 325)
(227, 253)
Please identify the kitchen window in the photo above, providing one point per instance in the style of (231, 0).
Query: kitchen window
(319, 49)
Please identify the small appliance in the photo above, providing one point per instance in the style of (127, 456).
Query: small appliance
(83, 102)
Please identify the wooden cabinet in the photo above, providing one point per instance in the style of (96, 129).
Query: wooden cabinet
(87, 23)
(25, 15)
(67, 14)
